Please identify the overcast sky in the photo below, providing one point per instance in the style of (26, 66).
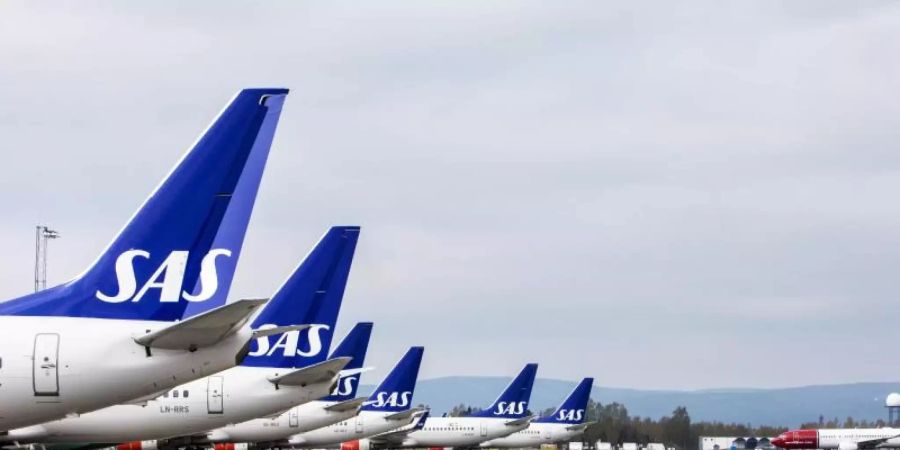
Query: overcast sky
(657, 194)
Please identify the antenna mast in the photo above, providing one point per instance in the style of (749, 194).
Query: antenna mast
(42, 234)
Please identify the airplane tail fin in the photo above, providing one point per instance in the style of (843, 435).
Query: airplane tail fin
(354, 346)
(573, 409)
(513, 402)
(181, 247)
(312, 295)
(396, 390)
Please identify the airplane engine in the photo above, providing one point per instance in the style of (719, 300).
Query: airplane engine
(139, 445)
(361, 444)
(232, 446)
(848, 446)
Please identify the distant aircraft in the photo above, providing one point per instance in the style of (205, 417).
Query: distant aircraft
(110, 335)
(564, 424)
(839, 439)
(388, 407)
(508, 414)
(281, 370)
(342, 404)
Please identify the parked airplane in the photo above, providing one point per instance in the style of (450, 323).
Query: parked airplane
(418, 419)
(279, 372)
(508, 414)
(338, 406)
(109, 335)
(389, 407)
(564, 424)
(839, 439)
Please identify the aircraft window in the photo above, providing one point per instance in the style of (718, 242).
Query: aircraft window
(1, 363)
(166, 394)
(175, 393)
(184, 393)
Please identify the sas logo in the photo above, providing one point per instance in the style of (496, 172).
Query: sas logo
(570, 415)
(168, 277)
(512, 408)
(288, 344)
(345, 385)
(391, 399)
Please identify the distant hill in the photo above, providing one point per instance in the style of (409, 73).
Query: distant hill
(787, 406)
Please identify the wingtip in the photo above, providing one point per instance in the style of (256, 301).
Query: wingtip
(253, 301)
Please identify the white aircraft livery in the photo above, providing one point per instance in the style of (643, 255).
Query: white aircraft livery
(112, 334)
(564, 424)
(342, 404)
(282, 369)
(508, 414)
(387, 408)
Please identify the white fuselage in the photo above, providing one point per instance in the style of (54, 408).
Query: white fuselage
(299, 419)
(235, 395)
(366, 424)
(460, 431)
(832, 438)
(535, 435)
(51, 367)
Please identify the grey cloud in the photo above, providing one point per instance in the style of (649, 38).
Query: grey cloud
(595, 187)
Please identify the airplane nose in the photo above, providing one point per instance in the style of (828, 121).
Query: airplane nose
(778, 442)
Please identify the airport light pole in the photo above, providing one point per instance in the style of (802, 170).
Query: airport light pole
(42, 235)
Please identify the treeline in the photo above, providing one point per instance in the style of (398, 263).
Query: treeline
(613, 424)
(849, 422)
(676, 430)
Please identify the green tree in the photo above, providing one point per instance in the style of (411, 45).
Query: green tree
(677, 429)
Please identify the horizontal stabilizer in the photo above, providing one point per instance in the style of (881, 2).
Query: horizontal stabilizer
(316, 373)
(263, 332)
(203, 330)
(580, 426)
(403, 415)
(351, 372)
(20, 436)
(275, 415)
(397, 436)
(518, 422)
(346, 405)
(142, 401)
